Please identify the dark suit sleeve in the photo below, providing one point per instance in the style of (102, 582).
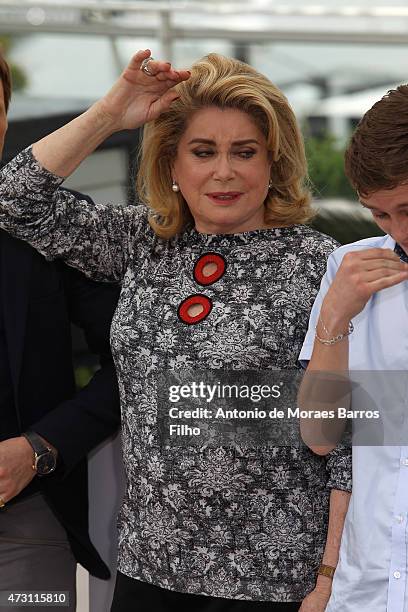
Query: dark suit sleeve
(79, 424)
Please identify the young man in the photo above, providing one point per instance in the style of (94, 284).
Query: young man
(366, 287)
(46, 429)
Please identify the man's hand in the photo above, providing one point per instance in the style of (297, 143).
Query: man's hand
(360, 275)
(316, 600)
(16, 466)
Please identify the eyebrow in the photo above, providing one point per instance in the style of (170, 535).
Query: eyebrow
(212, 142)
(399, 206)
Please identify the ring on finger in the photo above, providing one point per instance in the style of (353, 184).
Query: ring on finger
(2, 502)
(145, 66)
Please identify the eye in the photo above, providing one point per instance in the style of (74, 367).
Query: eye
(380, 215)
(202, 152)
(247, 154)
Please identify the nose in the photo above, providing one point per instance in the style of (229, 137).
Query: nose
(399, 230)
(223, 169)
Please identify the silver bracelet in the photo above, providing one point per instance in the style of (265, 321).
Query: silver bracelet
(335, 339)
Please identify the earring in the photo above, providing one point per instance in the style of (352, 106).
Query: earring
(270, 184)
(175, 187)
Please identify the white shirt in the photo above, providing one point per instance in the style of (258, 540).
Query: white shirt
(371, 575)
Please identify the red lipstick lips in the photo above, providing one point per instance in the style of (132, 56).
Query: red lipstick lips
(224, 197)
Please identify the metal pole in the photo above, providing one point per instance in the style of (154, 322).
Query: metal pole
(165, 36)
(113, 42)
(241, 51)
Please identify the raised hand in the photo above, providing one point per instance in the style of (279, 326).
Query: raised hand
(134, 99)
(137, 98)
(361, 275)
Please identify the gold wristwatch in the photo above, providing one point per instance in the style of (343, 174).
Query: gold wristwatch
(45, 460)
(326, 570)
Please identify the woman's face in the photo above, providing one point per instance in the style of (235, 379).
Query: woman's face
(222, 168)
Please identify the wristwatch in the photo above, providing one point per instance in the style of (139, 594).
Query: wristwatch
(326, 570)
(45, 460)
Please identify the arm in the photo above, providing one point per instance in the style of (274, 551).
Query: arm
(339, 502)
(96, 239)
(135, 99)
(94, 413)
(345, 291)
(338, 466)
(317, 599)
(77, 425)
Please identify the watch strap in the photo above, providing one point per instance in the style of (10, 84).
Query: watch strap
(326, 570)
(36, 442)
(38, 445)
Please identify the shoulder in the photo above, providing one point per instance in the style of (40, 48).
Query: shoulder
(138, 216)
(375, 242)
(313, 251)
(336, 257)
(315, 242)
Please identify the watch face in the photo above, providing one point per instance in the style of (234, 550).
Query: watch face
(45, 463)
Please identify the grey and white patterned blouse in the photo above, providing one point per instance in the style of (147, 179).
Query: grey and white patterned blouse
(248, 524)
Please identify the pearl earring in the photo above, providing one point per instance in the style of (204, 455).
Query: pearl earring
(270, 184)
(175, 187)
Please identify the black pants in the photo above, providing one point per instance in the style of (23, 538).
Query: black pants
(137, 596)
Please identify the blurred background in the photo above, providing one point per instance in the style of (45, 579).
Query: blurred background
(333, 62)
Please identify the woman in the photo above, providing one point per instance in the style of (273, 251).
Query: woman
(217, 273)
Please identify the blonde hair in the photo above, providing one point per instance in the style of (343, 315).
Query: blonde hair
(225, 83)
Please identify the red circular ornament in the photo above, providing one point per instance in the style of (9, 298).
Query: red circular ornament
(203, 261)
(204, 301)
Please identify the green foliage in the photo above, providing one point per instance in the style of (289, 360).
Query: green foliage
(83, 375)
(340, 215)
(326, 168)
(18, 76)
(5, 44)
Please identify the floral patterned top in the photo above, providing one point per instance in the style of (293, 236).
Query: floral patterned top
(238, 523)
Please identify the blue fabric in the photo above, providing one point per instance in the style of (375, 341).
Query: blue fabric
(401, 253)
(372, 571)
